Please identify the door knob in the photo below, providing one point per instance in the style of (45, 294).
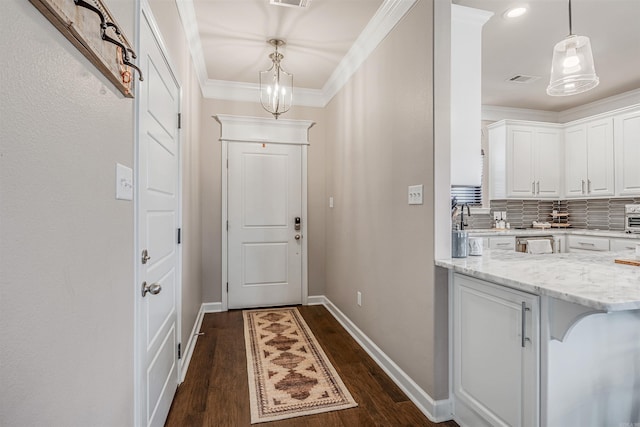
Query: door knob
(153, 289)
(298, 237)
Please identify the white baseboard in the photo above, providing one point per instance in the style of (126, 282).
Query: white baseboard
(212, 307)
(436, 410)
(188, 349)
(316, 300)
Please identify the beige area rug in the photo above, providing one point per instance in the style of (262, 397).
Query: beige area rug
(289, 374)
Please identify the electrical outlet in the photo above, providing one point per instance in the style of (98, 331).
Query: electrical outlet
(331, 201)
(359, 299)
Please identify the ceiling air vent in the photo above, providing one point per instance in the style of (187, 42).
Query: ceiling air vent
(291, 3)
(522, 78)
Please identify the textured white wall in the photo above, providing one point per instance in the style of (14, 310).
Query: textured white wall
(66, 260)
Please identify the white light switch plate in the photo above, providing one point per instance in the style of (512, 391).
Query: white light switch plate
(415, 194)
(124, 182)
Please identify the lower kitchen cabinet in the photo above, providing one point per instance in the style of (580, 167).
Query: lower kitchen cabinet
(496, 365)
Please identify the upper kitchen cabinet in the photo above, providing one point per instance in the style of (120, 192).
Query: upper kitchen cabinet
(627, 148)
(589, 159)
(466, 102)
(524, 160)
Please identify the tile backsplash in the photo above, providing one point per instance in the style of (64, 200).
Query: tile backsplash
(602, 214)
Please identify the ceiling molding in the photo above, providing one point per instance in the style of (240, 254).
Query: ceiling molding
(495, 113)
(385, 19)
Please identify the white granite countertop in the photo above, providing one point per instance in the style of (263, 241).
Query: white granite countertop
(488, 232)
(591, 280)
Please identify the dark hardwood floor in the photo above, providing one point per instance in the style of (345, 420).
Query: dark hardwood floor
(215, 391)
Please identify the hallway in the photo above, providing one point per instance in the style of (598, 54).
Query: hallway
(215, 391)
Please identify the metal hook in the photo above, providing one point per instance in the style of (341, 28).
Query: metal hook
(125, 53)
(103, 22)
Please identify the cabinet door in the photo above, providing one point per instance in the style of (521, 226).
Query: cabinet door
(627, 147)
(547, 163)
(520, 176)
(575, 160)
(495, 371)
(600, 162)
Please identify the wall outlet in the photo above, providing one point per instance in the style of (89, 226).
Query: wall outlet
(359, 300)
(331, 201)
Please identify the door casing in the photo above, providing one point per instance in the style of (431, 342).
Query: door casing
(236, 129)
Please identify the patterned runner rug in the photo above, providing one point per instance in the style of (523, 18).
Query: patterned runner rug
(289, 374)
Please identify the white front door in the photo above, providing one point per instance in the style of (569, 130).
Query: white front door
(264, 248)
(158, 222)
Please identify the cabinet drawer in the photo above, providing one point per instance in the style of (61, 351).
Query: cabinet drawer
(507, 243)
(624, 244)
(588, 243)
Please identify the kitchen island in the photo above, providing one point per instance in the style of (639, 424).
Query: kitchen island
(545, 340)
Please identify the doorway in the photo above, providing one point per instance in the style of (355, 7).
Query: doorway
(264, 211)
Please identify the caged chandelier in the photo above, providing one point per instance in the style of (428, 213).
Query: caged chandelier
(276, 85)
(572, 68)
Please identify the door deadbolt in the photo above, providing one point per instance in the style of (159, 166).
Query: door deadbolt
(297, 223)
(145, 256)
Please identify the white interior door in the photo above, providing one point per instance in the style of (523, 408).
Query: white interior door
(158, 221)
(264, 249)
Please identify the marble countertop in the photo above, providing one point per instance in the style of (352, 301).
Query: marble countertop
(488, 232)
(591, 280)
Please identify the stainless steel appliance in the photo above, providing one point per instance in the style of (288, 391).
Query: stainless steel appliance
(522, 243)
(632, 218)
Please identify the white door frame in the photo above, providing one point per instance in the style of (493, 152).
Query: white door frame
(234, 129)
(144, 13)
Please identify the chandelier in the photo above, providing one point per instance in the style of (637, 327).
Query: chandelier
(572, 68)
(276, 85)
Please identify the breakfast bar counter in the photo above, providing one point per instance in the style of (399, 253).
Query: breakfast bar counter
(592, 280)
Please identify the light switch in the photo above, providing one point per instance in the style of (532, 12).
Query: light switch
(415, 194)
(124, 182)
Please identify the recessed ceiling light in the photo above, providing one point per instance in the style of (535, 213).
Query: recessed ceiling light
(514, 12)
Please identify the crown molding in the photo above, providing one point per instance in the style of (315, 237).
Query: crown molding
(385, 19)
(496, 113)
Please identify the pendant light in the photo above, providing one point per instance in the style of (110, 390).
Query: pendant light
(572, 68)
(276, 85)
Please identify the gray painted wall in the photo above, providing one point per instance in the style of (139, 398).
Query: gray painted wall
(66, 244)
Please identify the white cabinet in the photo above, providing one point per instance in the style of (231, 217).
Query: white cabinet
(623, 244)
(577, 243)
(589, 160)
(466, 102)
(503, 242)
(525, 159)
(627, 147)
(495, 354)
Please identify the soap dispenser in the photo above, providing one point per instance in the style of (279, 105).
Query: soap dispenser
(460, 237)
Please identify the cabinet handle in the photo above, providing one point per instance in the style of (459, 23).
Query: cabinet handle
(533, 187)
(538, 187)
(583, 186)
(524, 323)
(589, 186)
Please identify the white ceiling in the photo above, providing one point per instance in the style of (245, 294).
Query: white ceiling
(231, 37)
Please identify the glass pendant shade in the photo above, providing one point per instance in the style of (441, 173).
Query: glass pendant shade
(276, 85)
(572, 68)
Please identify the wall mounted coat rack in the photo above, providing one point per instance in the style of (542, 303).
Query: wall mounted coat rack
(89, 25)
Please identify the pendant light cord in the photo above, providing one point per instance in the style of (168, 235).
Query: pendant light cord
(570, 26)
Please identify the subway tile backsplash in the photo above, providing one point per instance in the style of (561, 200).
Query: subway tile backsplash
(602, 214)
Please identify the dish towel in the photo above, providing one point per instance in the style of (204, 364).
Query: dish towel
(539, 246)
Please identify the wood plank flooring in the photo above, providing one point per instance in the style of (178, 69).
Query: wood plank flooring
(216, 392)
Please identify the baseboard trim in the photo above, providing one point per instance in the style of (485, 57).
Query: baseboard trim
(188, 349)
(212, 307)
(436, 410)
(316, 300)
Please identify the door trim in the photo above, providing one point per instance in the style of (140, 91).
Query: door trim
(144, 13)
(234, 129)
